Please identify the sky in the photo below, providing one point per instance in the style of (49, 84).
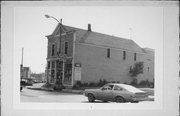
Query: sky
(144, 25)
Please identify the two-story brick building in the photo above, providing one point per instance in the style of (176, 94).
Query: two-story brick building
(77, 54)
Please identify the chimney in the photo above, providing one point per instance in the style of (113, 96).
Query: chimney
(89, 27)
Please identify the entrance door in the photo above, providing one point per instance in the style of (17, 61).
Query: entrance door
(59, 73)
(68, 73)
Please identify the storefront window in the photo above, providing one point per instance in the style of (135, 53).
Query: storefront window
(52, 76)
(53, 64)
(48, 64)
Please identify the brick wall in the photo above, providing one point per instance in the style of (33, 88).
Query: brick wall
(96, 65)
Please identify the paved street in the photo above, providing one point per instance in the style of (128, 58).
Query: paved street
(29, 95)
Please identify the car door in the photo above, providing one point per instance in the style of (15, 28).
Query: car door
(106, 93)
(120, 91)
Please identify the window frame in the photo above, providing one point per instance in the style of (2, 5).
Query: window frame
(66, 47)
(135, 56)
(108, 53)
(124, 55)
(53, 50)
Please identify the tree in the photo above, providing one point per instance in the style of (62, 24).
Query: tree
(137, 69)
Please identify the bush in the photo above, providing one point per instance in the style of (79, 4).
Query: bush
(85, 85)
(92, 84)
(78, 84)
(134, 82)
(142, 83)
(146, 83)
(101, 82)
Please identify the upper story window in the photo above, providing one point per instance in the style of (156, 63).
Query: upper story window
(124, 55)
(49, 65)
(134, 56)
(53, 64)
(108, 52)
(148, 69)
(66, 48)
(52, 52)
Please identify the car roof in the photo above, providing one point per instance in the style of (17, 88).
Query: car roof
(126, 86)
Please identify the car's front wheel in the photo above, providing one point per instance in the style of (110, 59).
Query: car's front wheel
(91, 97)
(120, 99)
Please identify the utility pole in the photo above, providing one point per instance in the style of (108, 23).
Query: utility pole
(22, 57)
(21, 66)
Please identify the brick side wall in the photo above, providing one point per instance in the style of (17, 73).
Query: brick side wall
(96, 65)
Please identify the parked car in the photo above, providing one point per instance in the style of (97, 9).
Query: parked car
(21, 88)
(26, 83)
(119, 93)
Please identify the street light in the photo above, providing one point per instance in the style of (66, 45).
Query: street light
(58, 53)
(59, 22)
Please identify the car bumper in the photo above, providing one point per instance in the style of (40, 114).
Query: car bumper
(141, 99)
(85, 94)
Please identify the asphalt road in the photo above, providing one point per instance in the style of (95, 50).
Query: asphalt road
(29, 95)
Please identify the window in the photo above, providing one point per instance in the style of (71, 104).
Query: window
(117, 88)
(148, 69)
(108, 53)
(53, 50)
(53, 64)
(124, 55)
(48, 64)
(66, 47)
(134, 56)
(52, 76)
(107, 87)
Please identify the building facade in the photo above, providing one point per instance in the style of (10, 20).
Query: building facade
(83, 55)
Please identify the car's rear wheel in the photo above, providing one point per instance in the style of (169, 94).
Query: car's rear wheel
(120, 99)
(91, 97)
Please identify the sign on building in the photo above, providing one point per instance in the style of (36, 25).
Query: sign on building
(77, 71)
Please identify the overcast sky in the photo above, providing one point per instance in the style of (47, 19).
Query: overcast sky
(31, 27)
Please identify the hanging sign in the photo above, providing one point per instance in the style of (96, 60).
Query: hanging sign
(77, 71)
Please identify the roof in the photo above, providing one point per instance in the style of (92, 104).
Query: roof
(148, 50)
(127, 87)
(95, 38)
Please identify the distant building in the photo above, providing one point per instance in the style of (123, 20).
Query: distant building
(40, 77)
(83, 55)
(25, 72)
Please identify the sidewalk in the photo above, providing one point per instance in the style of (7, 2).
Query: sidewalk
(51, 89)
